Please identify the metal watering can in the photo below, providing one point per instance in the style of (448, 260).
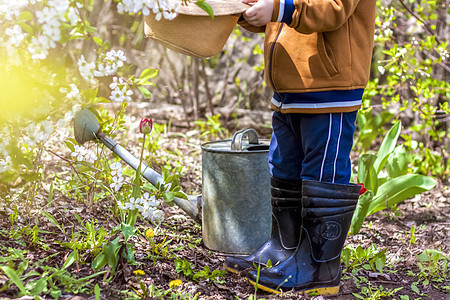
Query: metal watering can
(236, 193)
(235, 208)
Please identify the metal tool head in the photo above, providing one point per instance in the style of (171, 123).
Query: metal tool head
(85, 126)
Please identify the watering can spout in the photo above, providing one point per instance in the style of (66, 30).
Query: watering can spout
(86, 128)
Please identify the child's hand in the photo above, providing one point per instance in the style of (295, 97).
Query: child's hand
(260, 13)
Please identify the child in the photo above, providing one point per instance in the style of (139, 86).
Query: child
(317, 56)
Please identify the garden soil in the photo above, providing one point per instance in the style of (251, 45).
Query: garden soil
(389, 229)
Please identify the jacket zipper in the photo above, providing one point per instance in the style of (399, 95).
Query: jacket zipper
(271, 59)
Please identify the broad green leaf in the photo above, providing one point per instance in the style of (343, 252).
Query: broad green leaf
(52, 220)
(12, 275)
(361, 212)
(168, 197)
(399, 189)
(180, 195)
(99, 261)
(387, 146)
(70, 259)
(127, 231)
(206, 7)
(98, 40)
(148, 74)
(129, 253)
(111, 252)
(366, 171)
(25, 16)
(97, 291)
(50, 194)
(27, 28)
(430, 254)
(39, 286)
(397, 163)
(147, 94)
(70, 145)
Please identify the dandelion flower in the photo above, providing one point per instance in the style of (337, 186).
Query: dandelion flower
(176, 282)
(139, 272)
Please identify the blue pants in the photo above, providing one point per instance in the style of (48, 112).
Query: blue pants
(312, 146)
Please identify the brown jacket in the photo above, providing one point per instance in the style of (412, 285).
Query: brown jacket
(327, 47)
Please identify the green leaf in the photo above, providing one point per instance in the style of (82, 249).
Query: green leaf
(168, 197)
(97, 291)
(12, 275)
(180, 195)
(147, 94)
(430, 254)
(31, 176)
(99, 261)
(70, 144)
(25, 16)
(70, 259)
(39, 286)
(27, 28)
(415, 288)
(387, 146)
(399, 189)
(366, 171)
(397, 163)
(206, 7)
(111, 252)
(148, 74)
(50, 194)
(52, 220)
(361, 211)
(98, 41)
(127, 231)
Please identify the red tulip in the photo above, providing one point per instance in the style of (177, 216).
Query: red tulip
(146, 125)
(363, 189)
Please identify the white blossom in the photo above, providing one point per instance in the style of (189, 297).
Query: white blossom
(16, 35)
(147, 205)
(72, 15)
(5, 164)
(86, 70)
(120, 91)
(117, 183)
(81, 153)
(112, 62)
(117, 176)
(38, 133)
(161, 8)
(116, 169)
(51, 18)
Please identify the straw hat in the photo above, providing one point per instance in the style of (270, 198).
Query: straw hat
(193, 32)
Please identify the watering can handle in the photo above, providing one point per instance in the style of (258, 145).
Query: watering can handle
(236, 141)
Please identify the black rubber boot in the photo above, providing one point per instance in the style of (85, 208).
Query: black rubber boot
(286, 222)
(315, 265)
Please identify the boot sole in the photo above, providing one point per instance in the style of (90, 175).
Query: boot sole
(232, 270)
(326, 291)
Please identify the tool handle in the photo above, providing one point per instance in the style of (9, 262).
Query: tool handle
(189, 206)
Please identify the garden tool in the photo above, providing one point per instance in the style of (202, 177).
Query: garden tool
(286, 222)
(236, 213)
(315, 266)
(87, 128)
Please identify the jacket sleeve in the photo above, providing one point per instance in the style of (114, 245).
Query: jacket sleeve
(308, 16)
(257, 29)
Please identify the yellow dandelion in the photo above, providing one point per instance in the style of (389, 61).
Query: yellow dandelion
(149, 233)
(139, 272)
(176, 282)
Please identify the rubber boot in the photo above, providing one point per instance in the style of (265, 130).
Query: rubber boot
(315, 266)
(286, 222)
